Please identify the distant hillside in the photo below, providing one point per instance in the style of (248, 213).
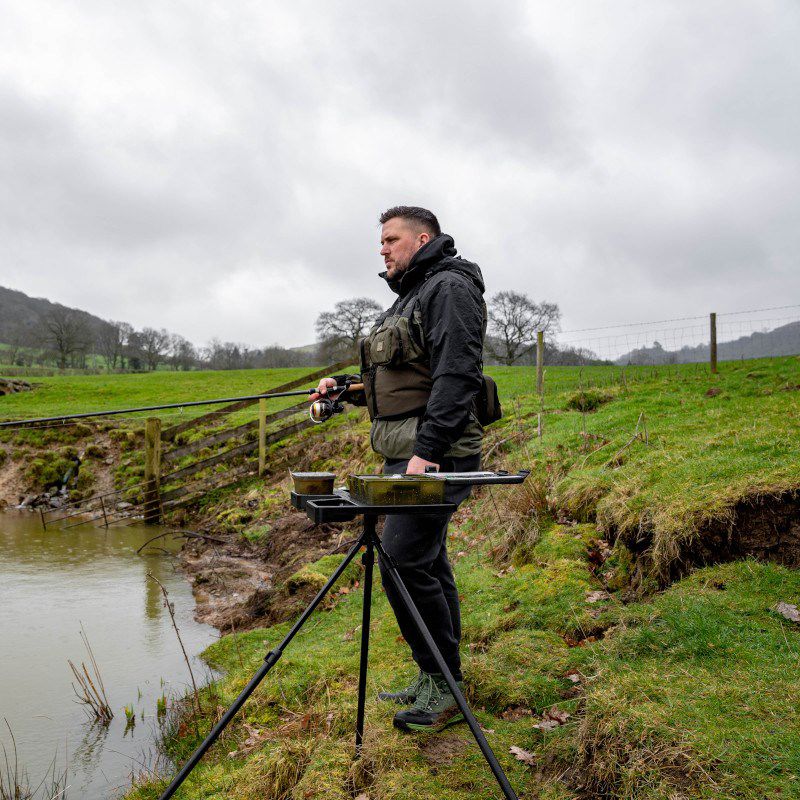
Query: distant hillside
(783, 341)
(21, 318)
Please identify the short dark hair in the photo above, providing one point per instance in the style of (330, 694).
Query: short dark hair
(421, 216)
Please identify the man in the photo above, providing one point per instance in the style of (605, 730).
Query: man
(421, 369)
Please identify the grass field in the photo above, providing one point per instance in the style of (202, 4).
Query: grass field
(686, 692)
(76, 394)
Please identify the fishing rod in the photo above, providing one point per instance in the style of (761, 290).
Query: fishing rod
(321, 409)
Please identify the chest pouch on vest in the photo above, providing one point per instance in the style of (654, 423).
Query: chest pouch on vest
(392, 344)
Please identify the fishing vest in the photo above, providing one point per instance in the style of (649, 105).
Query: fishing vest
(395, 362)
(395, 365)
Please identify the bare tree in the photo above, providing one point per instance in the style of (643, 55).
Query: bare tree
(514, 320)
(182, 353)
(66, 333)
(338, 331)
(154, 344)
(111, 343)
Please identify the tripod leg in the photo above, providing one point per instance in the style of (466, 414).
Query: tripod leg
(487, 751)
(369, 560)
(269, 662)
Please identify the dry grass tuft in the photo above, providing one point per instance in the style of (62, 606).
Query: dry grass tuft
(276, 773)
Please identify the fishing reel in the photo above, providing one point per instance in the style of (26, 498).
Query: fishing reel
(323, 409)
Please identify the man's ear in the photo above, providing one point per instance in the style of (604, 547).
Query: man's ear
(423, 239)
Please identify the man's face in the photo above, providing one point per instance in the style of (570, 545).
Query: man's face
(399, 242)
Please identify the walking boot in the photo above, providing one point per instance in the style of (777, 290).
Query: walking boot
(405, 697)
(434, 708)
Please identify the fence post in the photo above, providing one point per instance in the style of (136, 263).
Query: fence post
(539, 363)
(262, 436)
(152, 469)
(713, 347)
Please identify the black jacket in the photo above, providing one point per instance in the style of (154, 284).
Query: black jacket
(450, 291)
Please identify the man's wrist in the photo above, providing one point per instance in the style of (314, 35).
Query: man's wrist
(428, 453)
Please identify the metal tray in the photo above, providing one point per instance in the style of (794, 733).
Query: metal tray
(396, 490)
(341, 507)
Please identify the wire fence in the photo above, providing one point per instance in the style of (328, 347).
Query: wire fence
(755, 333)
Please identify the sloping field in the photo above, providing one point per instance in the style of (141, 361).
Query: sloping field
(77, 394)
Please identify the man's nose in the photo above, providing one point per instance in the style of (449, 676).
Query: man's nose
(385, 250)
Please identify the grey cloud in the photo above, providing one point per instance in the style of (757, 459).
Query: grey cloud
(174, 153)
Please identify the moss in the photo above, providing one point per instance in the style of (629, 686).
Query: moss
(49, 468)
(95, 451)
(314, 576)
(232, 519)
(257, 534)
(125, 438)
(618, 567)
(86, 479)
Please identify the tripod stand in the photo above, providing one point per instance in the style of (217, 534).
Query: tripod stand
(340, 507)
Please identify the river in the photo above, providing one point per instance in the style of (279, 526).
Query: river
(51, 584)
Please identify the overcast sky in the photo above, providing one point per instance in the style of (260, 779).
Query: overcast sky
(217, 168)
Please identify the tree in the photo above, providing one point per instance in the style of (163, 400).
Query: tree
(111, 343)
(338, 331)
(66, 333)
(514, 320)
(182, 353)
(154, 344)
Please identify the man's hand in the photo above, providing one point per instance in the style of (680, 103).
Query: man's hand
(417, 466)
(322, 389)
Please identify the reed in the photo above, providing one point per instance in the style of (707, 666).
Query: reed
(90, 691)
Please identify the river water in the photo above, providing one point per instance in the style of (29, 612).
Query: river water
(51, 584)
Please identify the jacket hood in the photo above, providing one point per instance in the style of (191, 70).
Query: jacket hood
(437, 255)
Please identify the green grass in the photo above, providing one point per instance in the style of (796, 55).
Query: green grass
(700, 682)
(85, 393)
(309, 699)
(703, 452)
(690, 695)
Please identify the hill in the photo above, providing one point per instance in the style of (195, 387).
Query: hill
(782, 341)
(21, 318)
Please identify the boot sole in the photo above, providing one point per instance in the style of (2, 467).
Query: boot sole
(415, 727)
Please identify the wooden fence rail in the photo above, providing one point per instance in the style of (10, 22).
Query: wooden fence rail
(169, 434)
(230, 433)
(181, 486)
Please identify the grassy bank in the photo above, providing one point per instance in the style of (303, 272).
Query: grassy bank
(685, 692)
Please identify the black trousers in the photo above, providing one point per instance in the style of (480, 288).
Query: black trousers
(418, 547)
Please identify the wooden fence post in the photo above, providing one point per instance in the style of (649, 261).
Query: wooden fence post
(540, 363)
(713, 347)
(262, 436)
(152, 469)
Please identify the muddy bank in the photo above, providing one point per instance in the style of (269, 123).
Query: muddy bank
(34, 462)
(239, 585)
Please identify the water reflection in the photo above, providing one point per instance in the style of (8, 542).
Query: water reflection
(53, 581)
